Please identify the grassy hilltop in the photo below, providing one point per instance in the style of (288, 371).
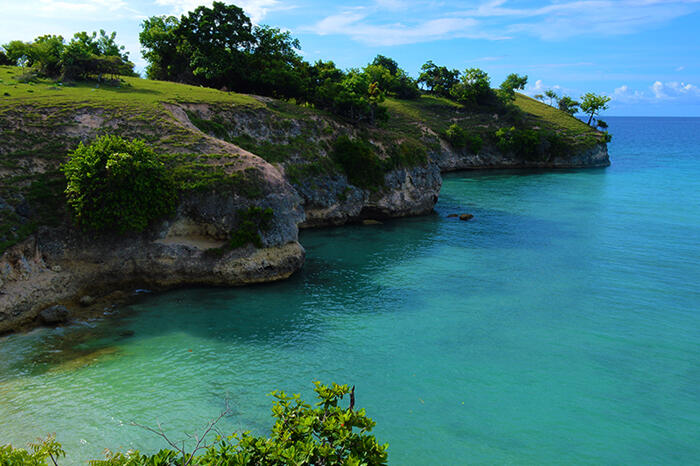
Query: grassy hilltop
(41, 120)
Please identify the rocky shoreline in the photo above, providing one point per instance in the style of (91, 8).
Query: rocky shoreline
(87, 273)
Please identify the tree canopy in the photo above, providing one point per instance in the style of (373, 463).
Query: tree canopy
(592, 104)
(85, 56)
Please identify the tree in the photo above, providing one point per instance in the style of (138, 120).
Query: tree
(512, 83)
(539, 97)
(216, 40)
(592, 104)
(438, 80)
(161, 47)
(568, 105)
(474, 88)
(553, 96)
(5, 60)
(117, 185)
(392, 79)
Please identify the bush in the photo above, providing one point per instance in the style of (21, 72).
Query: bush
(303, 434)
(462, 139)
(251, 223)
(38, 454)
(408, 154)
(117, 185)
(357, 159)
(524, 143)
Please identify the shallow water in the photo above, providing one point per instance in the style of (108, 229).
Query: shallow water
(560, 325)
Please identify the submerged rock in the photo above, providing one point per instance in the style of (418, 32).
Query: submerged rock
(466, 217)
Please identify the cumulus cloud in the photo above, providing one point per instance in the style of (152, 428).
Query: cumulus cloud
(659, 92)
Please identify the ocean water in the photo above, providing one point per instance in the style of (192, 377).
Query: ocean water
(560, 325)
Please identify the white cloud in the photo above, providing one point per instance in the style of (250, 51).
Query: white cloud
(357, 23)
(256, 9)
(68, 9)
(659, 92)
(498, 19)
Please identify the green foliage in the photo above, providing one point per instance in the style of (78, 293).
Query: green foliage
(462, 139)
(521, 142)
(552, 96)
(322, 434)
(512, 83)
(250, 223)
(117, 185)
(409, 153)
(568, 105)
(37, 454)
(85, 56)
(474, 88)
(592, 104)
(438, 80)
(359, 162)
(392, 79)
(305, 435)
(5, 60)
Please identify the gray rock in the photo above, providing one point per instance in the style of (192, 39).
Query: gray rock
(87, 301)
(54, 315)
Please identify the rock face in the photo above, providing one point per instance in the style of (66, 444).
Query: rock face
(449, 159)
(58, 271)
(63, 265)
(407, 191)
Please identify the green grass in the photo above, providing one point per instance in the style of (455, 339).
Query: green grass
(131, 92)
(554, 118)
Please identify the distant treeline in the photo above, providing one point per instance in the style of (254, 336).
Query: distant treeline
(85, 56)
(219, 47)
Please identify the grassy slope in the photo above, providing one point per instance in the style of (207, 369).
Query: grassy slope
(34, 117)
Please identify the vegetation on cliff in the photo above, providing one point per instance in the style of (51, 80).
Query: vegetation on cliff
(359, 124)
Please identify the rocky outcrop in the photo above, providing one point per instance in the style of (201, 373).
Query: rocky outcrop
(63, 265)
(407, 191)
(449, 159)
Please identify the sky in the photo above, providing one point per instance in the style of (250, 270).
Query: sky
(644, 54)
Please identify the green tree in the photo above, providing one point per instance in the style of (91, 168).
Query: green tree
(474, 88)
(539, 97)
(47, 52)
(162, 49)
(216, 41)
(117, 185)
(438, 80)
(592, 104)
(5, 60)
(552, 96)
(568, 105)
(512, 83)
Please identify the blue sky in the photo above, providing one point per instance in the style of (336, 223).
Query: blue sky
(645, 54)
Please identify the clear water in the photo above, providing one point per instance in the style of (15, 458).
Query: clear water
(560, 325)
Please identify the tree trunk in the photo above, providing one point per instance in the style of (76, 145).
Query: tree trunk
(589, 119)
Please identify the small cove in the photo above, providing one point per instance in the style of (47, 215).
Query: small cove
(560, 325)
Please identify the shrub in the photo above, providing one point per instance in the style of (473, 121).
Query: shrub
(357, 159)
(325, 433)
(38, 454)
(251, 223)
(117, 185)
(462, 139)
(522, 142)
(408, 154)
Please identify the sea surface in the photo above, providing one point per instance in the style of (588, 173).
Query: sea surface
(560, 325)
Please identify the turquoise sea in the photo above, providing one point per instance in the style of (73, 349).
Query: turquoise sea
(560, 325)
